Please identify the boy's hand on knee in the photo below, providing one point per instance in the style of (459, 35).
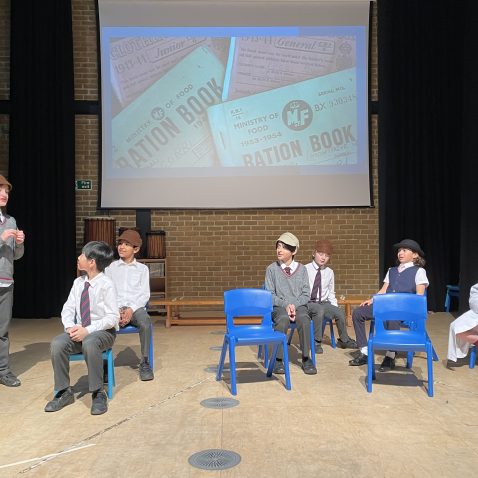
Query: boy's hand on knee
(78, 333)
(291, 312)
(125, 316)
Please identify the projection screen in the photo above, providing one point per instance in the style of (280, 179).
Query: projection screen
(234, 104)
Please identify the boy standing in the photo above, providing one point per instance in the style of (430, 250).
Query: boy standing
(322, 299)
(90, 317)
(131, 279)
(288, 282)
(11, 248)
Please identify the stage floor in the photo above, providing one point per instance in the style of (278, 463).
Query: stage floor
(328, 425)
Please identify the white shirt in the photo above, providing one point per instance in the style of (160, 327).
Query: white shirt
(420, 277)
(131, 281)
(327, 282)
(103, 305)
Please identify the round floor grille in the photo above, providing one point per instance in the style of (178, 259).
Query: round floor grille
(219, 402)
(216, 347)
(214, 459)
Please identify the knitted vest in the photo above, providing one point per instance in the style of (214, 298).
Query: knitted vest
(402, 281)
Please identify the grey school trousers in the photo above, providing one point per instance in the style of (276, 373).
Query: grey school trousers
(281, 321)
(142, 320)
(6, 302)
(326, 309)
(91, 347)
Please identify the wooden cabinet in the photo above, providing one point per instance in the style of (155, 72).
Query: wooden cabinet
(157, 277)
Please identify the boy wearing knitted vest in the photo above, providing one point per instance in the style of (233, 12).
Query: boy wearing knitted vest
(288, 282)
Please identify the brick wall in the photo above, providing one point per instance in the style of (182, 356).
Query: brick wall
(209, 251)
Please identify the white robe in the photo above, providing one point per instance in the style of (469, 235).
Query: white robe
(458, 348)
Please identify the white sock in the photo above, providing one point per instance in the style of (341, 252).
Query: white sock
(390, 354)
(364, 350)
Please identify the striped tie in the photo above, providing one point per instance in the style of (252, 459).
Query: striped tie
(85, 306)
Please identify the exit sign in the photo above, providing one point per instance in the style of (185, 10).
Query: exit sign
(83, 184)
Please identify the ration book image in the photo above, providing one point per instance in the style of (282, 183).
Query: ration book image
(310, 123)
(166, 126)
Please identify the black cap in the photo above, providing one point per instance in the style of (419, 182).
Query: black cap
(410, 244)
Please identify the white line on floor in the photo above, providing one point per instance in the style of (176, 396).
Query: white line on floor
(46, 457)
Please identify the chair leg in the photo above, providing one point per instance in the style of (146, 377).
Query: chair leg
(430, 370)
(286, 365)
(220, 367)
(232, 366)
(111, 374)
(332, 334)
(472, 356)
(272, 361)
(312, 343)
(370, 367)
(410, 356)
(435, 356)
(447, 301)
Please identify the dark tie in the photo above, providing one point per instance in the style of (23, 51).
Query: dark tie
(317, 287)
(85, 306)
(287, 270)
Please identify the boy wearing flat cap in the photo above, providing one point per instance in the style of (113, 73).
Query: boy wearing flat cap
(288, 282)
(408, 276)
(131, 279)
(322, 298)
(11, 249)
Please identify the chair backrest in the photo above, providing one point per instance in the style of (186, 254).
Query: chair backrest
(405, 307)
(247, 303)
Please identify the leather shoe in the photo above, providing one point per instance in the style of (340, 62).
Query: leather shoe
(318, 348)
(279, 368)
(387, 362)
(308, 367)
(349, 344)
(62, 399)
(10, 380)
(360, 359)
(145, 372)
(99, 405)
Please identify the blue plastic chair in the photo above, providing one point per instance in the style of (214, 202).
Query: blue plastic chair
(451, 291)
(131, 329)
(411, 308)
(250, 303)
(472, 356)
(108, 356)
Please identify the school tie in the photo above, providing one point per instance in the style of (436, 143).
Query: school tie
(85, 306)
(287, 270)
(317, 287)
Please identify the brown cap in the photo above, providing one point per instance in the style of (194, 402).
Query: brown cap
(131, 236)
(324, 246)
(4, 182)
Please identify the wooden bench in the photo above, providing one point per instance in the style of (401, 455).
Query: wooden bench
(173, 314)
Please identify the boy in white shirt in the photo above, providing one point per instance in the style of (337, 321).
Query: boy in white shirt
(322, 298)
(131, 279)
(90, 318)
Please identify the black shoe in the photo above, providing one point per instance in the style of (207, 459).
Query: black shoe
(318, 348)
(99, 404)
(145, 372)
(360, 359)
(279, 368)
(61, 400)
(308, 367)
(349, 344)
(388, 362)
(10, 380)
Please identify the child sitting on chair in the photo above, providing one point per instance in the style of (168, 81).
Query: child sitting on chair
(90, 317)
(288, 282)
(131, 279)
(322, 298)
(408, 276)
(464, 330)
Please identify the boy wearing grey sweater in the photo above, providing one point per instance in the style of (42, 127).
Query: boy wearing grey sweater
(288, 282)
(11, 248)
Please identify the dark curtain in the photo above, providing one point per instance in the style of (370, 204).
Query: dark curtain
(424, 113)
(42, 159)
